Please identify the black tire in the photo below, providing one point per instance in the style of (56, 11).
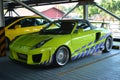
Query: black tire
(108, 44)
(61, 56)
(7, 41)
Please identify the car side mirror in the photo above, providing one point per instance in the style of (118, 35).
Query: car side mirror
(80, 30)
(17, 26)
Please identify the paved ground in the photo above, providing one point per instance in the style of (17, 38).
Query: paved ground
(95, 67)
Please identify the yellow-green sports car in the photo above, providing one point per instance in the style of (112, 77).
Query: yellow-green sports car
(59, 42)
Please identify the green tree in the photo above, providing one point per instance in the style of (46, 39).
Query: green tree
(111, 5)
(93, 10)
(79, 11)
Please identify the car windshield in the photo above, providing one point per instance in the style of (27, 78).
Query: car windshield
(9, 20)
(58, 27)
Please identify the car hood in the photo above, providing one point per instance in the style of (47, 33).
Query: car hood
(31, 39)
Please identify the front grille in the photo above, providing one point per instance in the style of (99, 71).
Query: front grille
(37, 58)
(22, 56)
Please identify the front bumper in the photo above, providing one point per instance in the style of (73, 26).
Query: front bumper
(34, 57)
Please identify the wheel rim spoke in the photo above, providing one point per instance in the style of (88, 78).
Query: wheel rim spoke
(62, 56)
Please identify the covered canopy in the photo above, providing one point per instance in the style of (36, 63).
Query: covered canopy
(11, 3)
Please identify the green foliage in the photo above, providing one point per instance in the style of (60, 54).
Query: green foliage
(110, 5)
(79, 11)
(93, 10)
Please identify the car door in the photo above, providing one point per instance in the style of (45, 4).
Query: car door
(82, 38)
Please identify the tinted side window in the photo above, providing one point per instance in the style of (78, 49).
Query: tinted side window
(27, 22)
(40, 21)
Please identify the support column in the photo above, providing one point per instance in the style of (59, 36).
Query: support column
(85, 12)
(2, 30)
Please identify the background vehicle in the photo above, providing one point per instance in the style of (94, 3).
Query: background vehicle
(66, 40)
(16, 26)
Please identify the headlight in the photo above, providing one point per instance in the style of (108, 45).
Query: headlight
(41, 43)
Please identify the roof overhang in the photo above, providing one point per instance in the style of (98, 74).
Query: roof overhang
(9, 3)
